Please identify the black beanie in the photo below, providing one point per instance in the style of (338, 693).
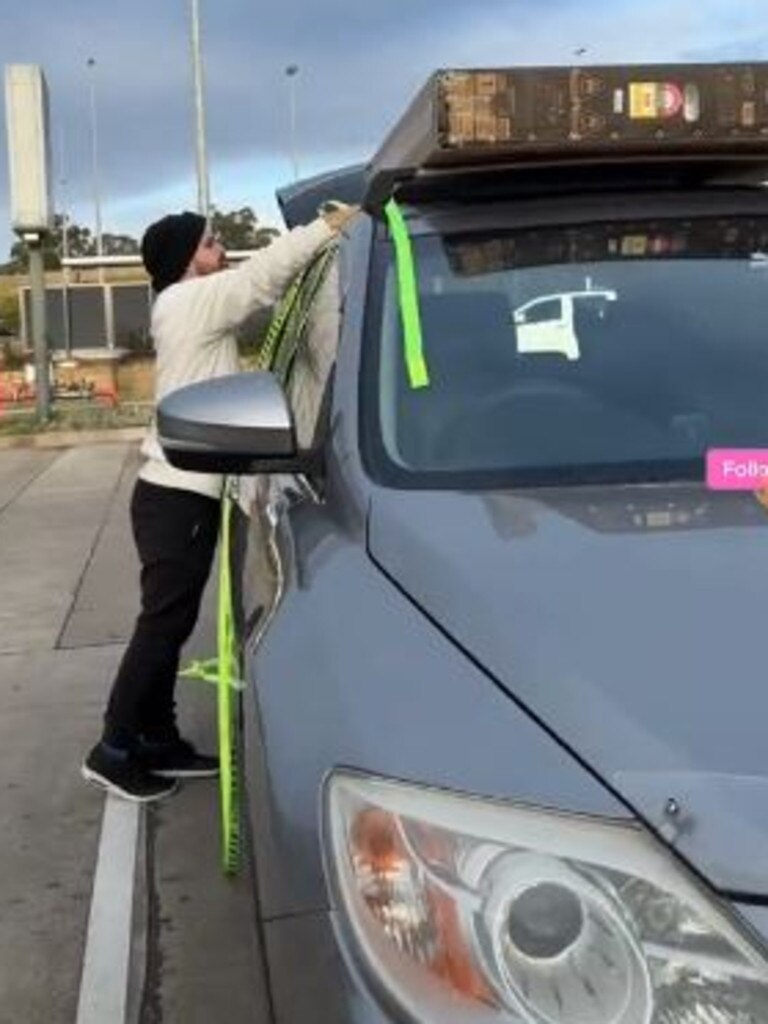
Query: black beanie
(168, 246)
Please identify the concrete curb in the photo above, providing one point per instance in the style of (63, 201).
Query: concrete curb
(73, 438)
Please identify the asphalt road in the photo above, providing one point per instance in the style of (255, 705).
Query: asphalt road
(67, 603)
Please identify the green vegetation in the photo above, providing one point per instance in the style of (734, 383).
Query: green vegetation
(74, 416)
(240, 229)
(9, 314)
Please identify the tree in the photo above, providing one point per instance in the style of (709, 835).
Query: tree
(80, 242)
(9, 314)
(120, 245)
(240, 229)
(51, 250)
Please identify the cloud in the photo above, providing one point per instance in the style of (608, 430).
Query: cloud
(360, 63)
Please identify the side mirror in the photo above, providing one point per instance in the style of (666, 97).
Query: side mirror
(236, 424)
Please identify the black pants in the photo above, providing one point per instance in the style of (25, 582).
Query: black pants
(175, 533)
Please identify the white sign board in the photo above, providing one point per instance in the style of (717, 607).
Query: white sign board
(26, 109)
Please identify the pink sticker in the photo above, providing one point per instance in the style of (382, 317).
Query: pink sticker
(737, 469)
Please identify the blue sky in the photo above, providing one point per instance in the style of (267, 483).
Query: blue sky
(359, 62)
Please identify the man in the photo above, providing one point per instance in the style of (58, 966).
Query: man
(175, 514)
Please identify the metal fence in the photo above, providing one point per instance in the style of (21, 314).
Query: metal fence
(78, 316)
(113, 315)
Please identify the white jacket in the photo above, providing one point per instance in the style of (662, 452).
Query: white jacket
(193, 328)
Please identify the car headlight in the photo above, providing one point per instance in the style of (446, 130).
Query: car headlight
(465, 910)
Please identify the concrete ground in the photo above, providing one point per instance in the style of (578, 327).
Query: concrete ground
(67, 603)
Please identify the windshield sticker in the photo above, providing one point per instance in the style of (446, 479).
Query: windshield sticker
(654, 100)
(408, 293)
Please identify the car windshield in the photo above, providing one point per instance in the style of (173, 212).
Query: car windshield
(612, 351)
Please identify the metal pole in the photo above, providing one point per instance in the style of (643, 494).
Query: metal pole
(203, 184)
(39, 341)
(95, 164)
(292, 72)
(109, 315)
(65, 310)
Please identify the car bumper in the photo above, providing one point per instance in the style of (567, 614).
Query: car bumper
(309, 980)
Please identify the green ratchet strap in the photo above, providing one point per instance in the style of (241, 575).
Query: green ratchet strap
(278, 325)
(289, 324)
(229, 671)
(224, 671)
(418, 374)
(208, 672)
(311, 281)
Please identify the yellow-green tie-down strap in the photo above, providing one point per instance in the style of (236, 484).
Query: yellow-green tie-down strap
(289, 324)
(229, 673)
(224, 671)
(408, 291)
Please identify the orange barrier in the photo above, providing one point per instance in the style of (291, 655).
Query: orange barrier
(14, 395)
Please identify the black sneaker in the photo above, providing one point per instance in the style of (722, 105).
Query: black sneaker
(176, 759)
(125, 777)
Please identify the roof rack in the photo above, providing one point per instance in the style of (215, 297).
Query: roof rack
(698, 120)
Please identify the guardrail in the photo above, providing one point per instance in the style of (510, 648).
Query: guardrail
(96, 262)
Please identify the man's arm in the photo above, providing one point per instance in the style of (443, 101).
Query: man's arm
(226, 300)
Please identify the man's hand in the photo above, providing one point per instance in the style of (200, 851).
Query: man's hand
(338, 215)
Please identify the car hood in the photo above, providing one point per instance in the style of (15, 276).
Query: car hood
(633, 622)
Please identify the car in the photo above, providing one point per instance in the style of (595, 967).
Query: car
(504, 708)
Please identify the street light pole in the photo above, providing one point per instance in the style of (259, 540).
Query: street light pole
(95, 156)
(95, 164)
(65, 306)
(34, 241)
(292, 72)
(203, 183)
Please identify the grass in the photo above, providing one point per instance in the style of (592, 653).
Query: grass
(74, 416)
